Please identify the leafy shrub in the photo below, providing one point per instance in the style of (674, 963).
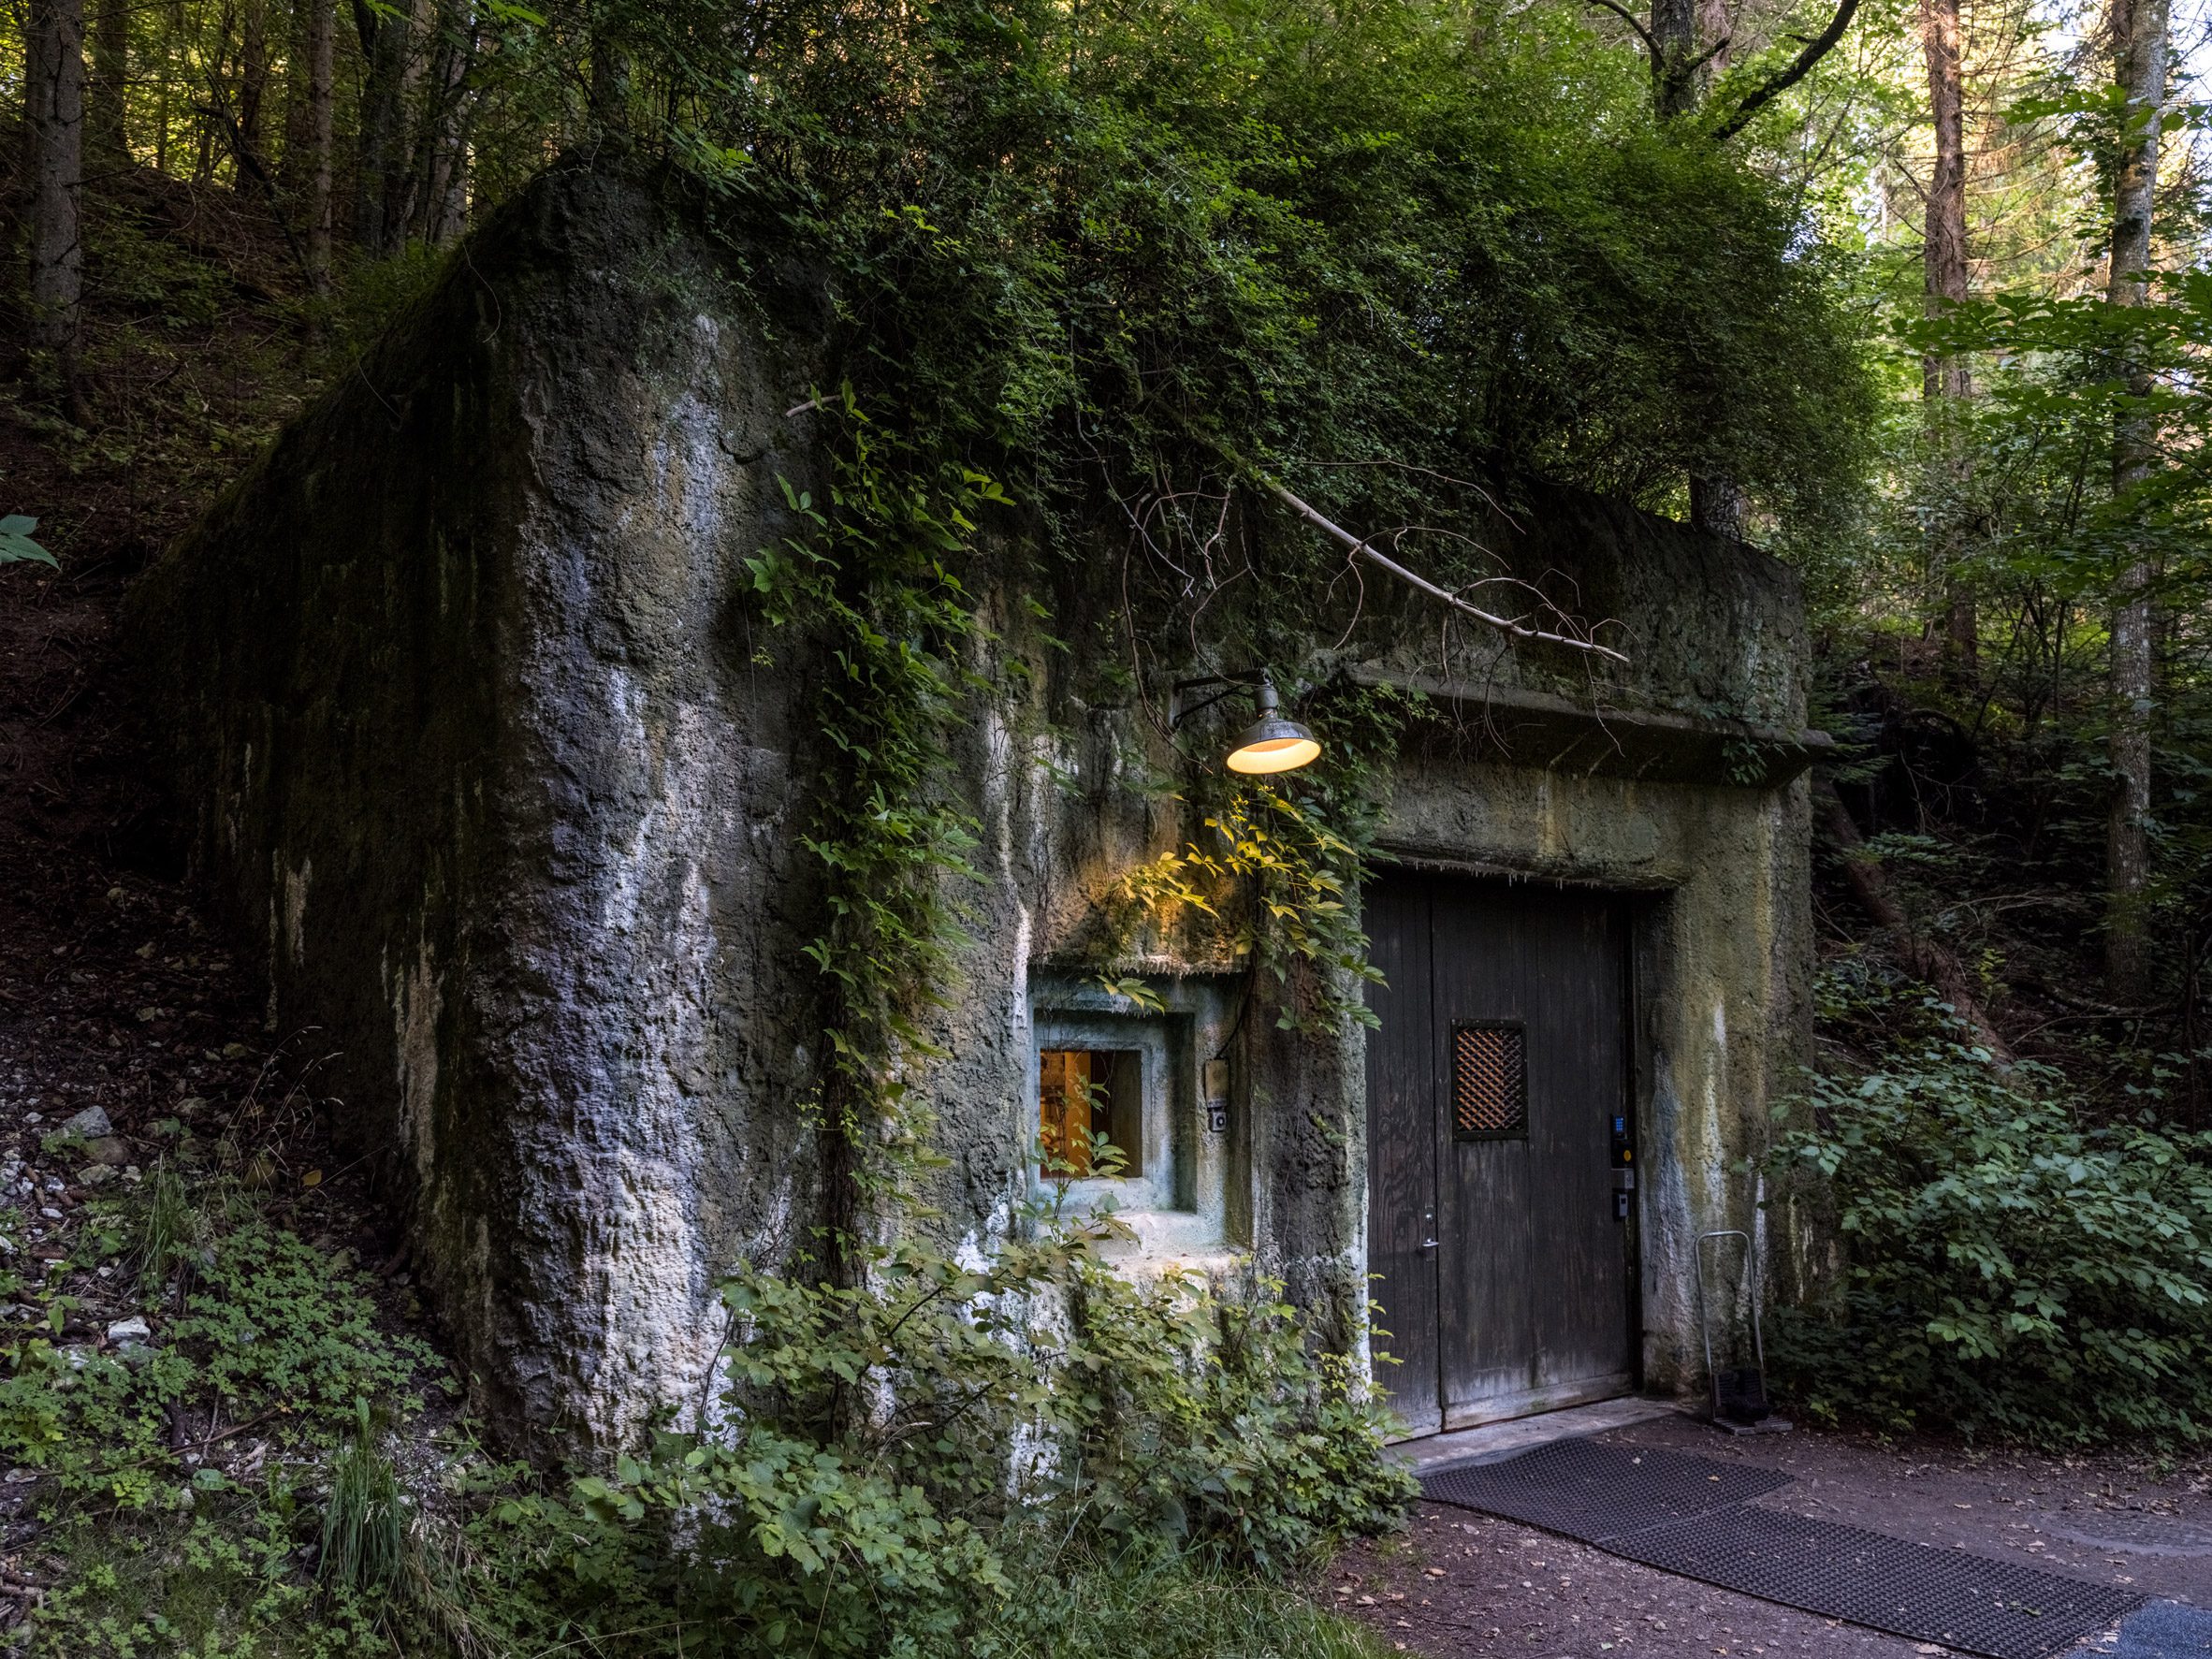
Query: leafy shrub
(2010, 1270)
(892, 1458)
(1146, 1602)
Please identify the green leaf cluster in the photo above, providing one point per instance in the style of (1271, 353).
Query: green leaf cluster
(895, 1464)
(259, 1339)
(1345, 242)
(16, 546)
(2009, 1269)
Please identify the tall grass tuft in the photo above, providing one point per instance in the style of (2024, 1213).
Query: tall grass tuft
(170, 1226)
(364, 1525)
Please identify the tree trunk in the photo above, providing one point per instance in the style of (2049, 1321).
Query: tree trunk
(55, 108)
(383, 159)
(1715, 29)
(612, 72)
(104, 114)
(253, 88)
(1717, 505)
(2140, 35)
(1674, 40)
(439, 150)
(161, 117)
(1945, 251)
(1946, 382)
(319, 27)
(1689, 39)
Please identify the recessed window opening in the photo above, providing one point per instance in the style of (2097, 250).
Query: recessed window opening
(1090, 1113)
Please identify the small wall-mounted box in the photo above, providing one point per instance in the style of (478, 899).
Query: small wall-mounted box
(1214, 1091)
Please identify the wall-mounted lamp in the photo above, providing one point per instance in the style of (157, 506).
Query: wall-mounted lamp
(1270, 743)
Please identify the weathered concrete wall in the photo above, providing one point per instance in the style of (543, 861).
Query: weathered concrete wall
(467, 716)
(478, 733)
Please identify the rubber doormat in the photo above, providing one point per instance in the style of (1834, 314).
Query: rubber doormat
(1687, 1515)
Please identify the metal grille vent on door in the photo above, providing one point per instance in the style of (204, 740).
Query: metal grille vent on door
(1489, 1082)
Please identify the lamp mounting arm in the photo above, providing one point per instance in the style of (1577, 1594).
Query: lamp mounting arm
(1223, 686)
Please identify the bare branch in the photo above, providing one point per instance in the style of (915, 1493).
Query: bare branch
(1815, 50)
(1628, 17)
(1363, 549)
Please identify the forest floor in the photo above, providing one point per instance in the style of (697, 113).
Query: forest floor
(140, 1087)
(1458, 1583)
(119, 999)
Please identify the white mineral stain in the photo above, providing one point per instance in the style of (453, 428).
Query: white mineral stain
(417, 1000)
(295, 885)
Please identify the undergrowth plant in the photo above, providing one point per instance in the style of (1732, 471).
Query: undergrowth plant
(890, 1466)
(258, 1340)
(364, 1518)
(2012, 1267)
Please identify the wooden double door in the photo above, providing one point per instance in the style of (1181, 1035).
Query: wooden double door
(1499, 1153)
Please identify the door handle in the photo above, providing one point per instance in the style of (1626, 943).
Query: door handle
(1428, 1243)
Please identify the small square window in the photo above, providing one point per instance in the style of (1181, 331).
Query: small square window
(1087, 1094)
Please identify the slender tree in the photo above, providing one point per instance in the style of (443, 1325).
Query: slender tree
(104, 106)
(378, 210)
(1947, 381)
(55, 110)
(2139, 48)
(253, 72)
(318, 40)
(441, 164)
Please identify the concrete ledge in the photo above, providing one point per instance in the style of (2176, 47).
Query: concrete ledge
(1527, 728)
(1493, 1442)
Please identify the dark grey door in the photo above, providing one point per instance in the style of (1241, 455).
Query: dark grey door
(1496, 1084)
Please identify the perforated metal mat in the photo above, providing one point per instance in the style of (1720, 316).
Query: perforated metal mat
(1686, 1514)
(1595, 1493)
(1846, 1572)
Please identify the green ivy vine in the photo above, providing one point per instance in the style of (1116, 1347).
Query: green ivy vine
(1281, 860)
(872, 580)
(879, 583)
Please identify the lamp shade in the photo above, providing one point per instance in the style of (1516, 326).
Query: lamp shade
(1274, 744)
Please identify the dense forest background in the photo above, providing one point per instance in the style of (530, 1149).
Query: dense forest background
(1914, 297)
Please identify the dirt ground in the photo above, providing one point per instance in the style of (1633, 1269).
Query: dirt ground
(1458, 1583)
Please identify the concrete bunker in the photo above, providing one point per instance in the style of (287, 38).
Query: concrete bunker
(474, 730)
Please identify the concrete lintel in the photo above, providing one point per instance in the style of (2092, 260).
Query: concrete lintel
(1552, 733)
